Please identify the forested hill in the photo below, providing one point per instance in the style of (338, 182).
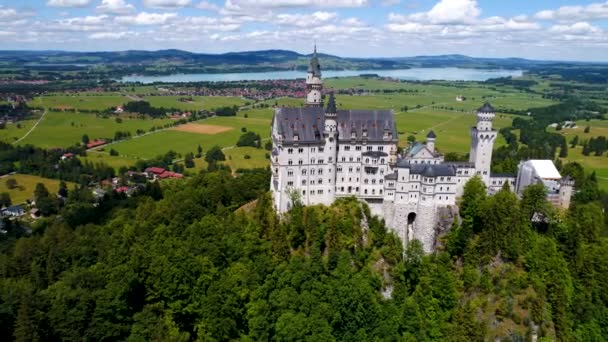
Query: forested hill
(183, 264)
(269, 59)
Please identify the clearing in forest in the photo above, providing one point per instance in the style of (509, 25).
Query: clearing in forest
(203, 129)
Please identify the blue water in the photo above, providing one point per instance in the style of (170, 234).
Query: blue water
(413, 74)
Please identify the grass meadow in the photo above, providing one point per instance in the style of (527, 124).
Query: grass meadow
(63, 129)
(26, 185)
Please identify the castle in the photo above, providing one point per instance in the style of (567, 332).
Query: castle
(321, 154)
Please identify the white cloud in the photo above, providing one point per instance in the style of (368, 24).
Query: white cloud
(68, 3)
(449, 12)
(166, 3)
(206, 5)
(580, 28)
(304, 20)
(145, 18)
(7, 13)
(115, 7)
(595, 11)
(239, 5)
(109, 35)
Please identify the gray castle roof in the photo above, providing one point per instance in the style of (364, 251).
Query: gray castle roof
(431, 135)
(428, 170)
(486, 108)
(308, 123)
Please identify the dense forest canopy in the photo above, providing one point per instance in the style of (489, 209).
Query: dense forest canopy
(182, 262)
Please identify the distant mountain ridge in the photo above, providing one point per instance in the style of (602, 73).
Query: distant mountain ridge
(173, 61)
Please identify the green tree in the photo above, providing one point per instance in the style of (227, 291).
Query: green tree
(11, 183)
(214, 155)
(85, 139)
(5, 199)
(189, 160)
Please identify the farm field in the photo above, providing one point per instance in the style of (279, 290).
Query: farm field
(26, 185)
(198, 103)
(62, 129)
(79, 102)
(12, 132)
(152, 145)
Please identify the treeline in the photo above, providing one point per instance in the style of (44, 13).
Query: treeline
(47, 163)
(185, 264)
(145, 108)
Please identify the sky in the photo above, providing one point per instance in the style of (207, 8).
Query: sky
(538, 29)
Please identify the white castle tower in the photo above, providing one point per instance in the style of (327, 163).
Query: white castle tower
(482, 142)
(330, 134)
(314, 84)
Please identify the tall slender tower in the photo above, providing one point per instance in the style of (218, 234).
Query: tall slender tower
(314, 84)
(482, 142)
(330, 134)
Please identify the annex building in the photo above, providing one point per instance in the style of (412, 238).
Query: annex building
(322, 153)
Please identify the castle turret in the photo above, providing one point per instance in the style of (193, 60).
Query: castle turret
(430, 141)
(482, 142)
(314, 84)
(331, 142)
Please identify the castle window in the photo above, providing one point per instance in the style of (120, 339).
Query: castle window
(342, 179)
(440, 198)
(369, 148)
(312, 150)
(321, 149)
(331, 159)
(290, 183)
(347, 148)
(350, 169)
(382, 161)
(300, 162)
(312, 182)
(303, 172)
(312, 160)
(366, 160)
(320, 171)
(358, 159)
(289, 150)
(343, 159)
(290, 173)
(380, 148)
(381, 181)
(358, 169)
(300, 150)
(373, 191)
(320, 161)
(380, 191)
(365, 191)
(290, 162)
(303, 181)
(303, 192)
(339, 169)
(365, 181)
(320, 181)
(312, 171)
(358, 148)
(373, 181)
(350, 159)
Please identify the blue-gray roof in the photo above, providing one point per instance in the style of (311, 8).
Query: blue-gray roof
(486, 108)
(374, 154)
(428, 170)
(308, 123)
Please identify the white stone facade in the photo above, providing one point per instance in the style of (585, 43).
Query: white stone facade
(322, 154)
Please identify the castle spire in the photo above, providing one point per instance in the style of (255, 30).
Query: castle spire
(331, 104)
(314, 84)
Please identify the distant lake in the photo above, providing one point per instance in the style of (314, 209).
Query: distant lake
(413, 74)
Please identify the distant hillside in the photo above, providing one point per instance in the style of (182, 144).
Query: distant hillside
(103, 64)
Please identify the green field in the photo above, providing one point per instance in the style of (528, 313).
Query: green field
(97, 101)
(62, 129)
(152, 145)
(79, 101)
(14, 132)
(26, 185)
